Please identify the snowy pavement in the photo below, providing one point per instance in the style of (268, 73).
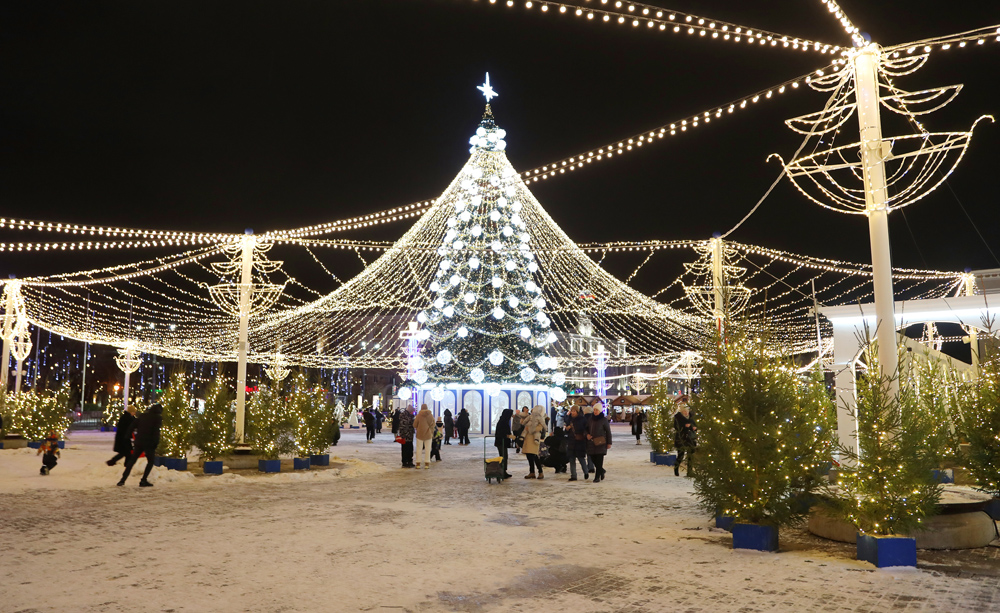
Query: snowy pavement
(371, 536)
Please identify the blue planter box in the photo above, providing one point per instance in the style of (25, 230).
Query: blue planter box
(169, 463)
(752, 536)
(269, 466)
(993, 508)
(726, 523)
(665, 459)
(885, 551)
(160, 461)
(212, 467)
(944, 476)
(34, 444)
(179, 464)
(300, 464)
(322, 459)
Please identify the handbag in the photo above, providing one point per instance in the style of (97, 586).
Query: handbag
(400, 440)
(599, 441)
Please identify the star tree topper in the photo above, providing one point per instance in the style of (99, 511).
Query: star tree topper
(487, 89)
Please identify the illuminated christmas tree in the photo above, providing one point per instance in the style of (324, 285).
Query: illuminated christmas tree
(312, 415)
(269, 424)
(887, 488)
(659, 430)
(214, 431)
(761, 432)
(175, 434)
(982, 427)
(486, 323)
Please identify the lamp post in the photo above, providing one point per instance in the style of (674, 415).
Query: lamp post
(129, 360)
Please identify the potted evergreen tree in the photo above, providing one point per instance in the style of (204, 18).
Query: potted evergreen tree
(175, 434)
(761, 438)
(215, 428)
(887, 490)
(981, 413)
(40, 414)
(659, 429)
(269, 428)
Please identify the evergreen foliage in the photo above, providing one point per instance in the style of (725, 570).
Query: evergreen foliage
(887, 488)
(269, 424)
(935, 388)
(312, 416)
(981, 414)
(215, 429)
(761, 432)
(659, 427)
(175, 434)
(35, 415)
(116, 406)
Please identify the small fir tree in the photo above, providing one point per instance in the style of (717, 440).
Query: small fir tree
(215, 429)
(887, 487)
(761, 433)
(935, 386)
(269, 425)
(175, 434)
(659, 428)
(116, 406)
(312, 415)
(981, 412)
(39, 414)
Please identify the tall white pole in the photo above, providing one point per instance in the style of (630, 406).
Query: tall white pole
(717, 281)
(17, 379)
(83, 382)
(873, 153)
(970, 290)
(246, 287)
(125, 393)
(8, 334)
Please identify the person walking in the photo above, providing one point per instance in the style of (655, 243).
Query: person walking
(503, 438)
(379, 418)
(588, 414)
(423, 427)
(369, 418)
(436, 441)
(463, 425)
(576, 433)
(147, 439)
(123, 435)
(637, 416)
(405, 432)
(534, 426)
(395, 421)
(449, 426)
(685, 435)
(598, 441)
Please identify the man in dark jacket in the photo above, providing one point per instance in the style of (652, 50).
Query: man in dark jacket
(147, 438)
(369, 417)
(449, 426)
(123, 435)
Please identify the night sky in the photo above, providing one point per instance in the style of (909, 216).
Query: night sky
(223, 115)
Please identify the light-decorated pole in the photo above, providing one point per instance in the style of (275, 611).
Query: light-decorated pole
(412, 344)
(129, 360)
(21, 349)
(246, 287)
(874, 150)
(11, 290)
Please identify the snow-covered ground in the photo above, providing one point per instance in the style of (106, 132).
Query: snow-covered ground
(371, 536)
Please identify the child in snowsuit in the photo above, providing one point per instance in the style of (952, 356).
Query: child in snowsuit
(436, 441)
(50, 449)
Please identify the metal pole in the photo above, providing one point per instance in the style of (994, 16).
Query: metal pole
(8, 335)
(125, 392)
(17, 379)
(819, 335)
(83, 382)
(717, 281)
(873, 153)
(246, 286)
(970, 290)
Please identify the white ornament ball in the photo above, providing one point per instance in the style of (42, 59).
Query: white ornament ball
(493, 389)
(455, 279)
(498, 313)
(501, 201)
(501, 145)
(496, 246)
(417, 362)
(559, 378)
(423, 335)
(437, 394)
(497, 282)
(510, 265)
(458, 245)
(403, 392)
(512, 302)
(443, 357)
(463, 332)
(501, 133)
(525, 333)
(508, 231)
(422, 317)
(420, 377)
(465, 216)
(527, 374)
(494, 215)
(448, 311)
(470, 298)
(540, 303)
(439, 303)
(517, 207)
(495, 357)
(473, 263)
(477, 375)
(476, 201)
(558, 394)
(533, 267)
(477, 230)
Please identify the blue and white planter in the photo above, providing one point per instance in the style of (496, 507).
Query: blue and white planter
(664, 459)
(322, 459)
(883, 551)
(212, 467)
(724, 522)
(992, 509)
(754, 536)
(269, 466)
(300, 464)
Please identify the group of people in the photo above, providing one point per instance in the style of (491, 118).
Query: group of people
(135, 437)
(583, 435)
(419, 433)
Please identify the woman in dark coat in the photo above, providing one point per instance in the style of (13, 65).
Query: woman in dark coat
(147, 439)
(637, 416)
(503, 438)
(576, 440)
(685, 439)
(463, 427)
(123, 435)
(405, 431)
(395, 421)
(598, 441)
(449, 426)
